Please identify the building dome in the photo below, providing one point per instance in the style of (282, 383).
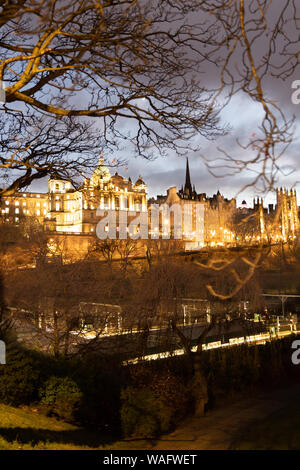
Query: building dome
(139, 182)
(101, 173)
(117, 177)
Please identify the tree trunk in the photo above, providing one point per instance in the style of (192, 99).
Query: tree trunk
(56, 335)
(199, 385)
(67, 342)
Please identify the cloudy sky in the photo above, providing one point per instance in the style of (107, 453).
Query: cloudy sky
(244, 116)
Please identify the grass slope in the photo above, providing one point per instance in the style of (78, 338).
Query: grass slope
(24, 429)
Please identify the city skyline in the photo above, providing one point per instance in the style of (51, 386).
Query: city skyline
(166, 171)
(158, 182)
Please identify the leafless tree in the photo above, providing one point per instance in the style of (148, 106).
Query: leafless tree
(156, 307)
(119, 62)
(140, 63)
(257, 38)
(246, 227)
(104, 249)
(33, 147)
(45, 306)
(160, 250)
(127, 248)
(193, 337)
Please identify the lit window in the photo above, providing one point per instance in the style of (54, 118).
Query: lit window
(38, 195)
(45, 211)
(7, 210)
(16, 203)
(7, 203)
(38, 204)
(17, 211)
(57, 206)
(24, 195)
(38, 212)
(24, 203)
(17, 219)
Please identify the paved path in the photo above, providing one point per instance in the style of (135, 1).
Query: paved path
(221, 427)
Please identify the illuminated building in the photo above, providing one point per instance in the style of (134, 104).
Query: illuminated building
(22, 204)
(279, 222)
(216, 229)
(76, 210)
(64, 210)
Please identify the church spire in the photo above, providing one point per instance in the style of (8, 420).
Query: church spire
(187, 186)
(101, 159)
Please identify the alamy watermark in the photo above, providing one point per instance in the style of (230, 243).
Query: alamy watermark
(2, 352)
(159, 221)
(296, 354)
(2, 92)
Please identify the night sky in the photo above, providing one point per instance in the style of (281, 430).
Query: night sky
(244, 116)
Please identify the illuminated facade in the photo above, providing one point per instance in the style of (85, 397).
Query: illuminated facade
(20, 205)
(65, 210)
(216, 213)
(75, 211)
(279, 222)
